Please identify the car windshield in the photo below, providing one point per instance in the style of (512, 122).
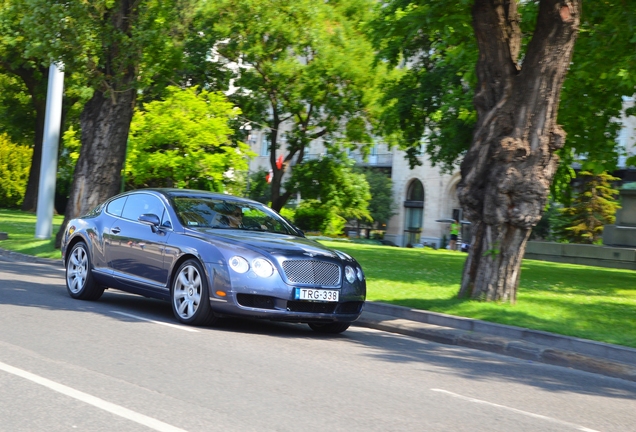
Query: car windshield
(201, 212)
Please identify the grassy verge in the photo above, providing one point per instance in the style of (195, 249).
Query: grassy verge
(587, 302)
(21, 229)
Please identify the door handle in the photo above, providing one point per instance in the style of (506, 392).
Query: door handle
(115, 230)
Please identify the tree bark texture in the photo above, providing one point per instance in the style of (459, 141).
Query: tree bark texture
(507, 172)
(105, 122)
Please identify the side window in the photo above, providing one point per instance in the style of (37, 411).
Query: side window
(139, 204)
(116, 206)
(165, 220)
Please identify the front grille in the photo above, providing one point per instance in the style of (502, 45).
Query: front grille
(311, 307)
(255, 301)
(312, 272)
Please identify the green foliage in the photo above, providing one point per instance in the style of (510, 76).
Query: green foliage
(381, 204)
(185, 141)
(602, 70)
(258, 188)
(90, 40)
(429, 101)
(288, 213)
(593, 207)
(299, 66)
(17, 117)
(333, 183)
(310, 215)
(15, 163)
(313, 215)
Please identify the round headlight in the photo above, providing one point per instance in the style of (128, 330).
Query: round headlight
(350, 274)
(262, 267)
(360, 274)
(239, 264)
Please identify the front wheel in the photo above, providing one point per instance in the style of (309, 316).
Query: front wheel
(79, 279)
(190, 302)
(332, 328)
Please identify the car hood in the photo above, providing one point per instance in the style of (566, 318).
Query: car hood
(271, 243)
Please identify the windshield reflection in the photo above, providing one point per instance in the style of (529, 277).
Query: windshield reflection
(195, 212)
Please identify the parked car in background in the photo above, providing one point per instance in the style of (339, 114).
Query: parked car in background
(211, 255)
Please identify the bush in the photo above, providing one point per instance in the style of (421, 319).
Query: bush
(310, 217)
(15, 163)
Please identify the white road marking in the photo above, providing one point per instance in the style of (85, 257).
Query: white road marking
(92, 400)
(188, 329)
(526, 413)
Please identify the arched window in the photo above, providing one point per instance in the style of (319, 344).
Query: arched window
(414, 212)
(416, 192)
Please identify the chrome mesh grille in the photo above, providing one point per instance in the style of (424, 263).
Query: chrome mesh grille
(312, 272)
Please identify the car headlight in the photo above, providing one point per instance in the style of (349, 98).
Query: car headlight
(239, 264)
(262, 267)
(350, 274)
(360, 274)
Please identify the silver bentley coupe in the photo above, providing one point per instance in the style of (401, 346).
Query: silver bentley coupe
(211, 255)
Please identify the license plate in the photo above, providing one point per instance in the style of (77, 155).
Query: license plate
(317, 294)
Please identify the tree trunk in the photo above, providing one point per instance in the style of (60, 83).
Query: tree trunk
(105, 122)
(507, 172)
(35, 80)
(31, 195)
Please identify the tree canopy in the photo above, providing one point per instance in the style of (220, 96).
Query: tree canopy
(300, 69)
(430, 104)
(185, 140)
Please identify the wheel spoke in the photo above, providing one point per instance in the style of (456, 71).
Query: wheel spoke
(183, 280)
(179, 294)
(182, 308)
(190, 274)
(196, 298)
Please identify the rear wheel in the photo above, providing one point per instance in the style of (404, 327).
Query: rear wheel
(79, 279)
(332, 328)
(190, 298)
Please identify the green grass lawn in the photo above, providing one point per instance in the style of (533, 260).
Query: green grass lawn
(21, 229)
(588, 302)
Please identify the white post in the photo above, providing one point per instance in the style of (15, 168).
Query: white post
(50, 145)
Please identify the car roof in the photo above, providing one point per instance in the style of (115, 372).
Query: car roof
(174, 192)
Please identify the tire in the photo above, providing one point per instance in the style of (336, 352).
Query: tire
(331, 328)
(80, 283)
(190, 298)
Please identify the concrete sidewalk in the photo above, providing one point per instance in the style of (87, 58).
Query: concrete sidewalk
(596, 357)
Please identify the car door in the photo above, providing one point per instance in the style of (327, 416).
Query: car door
(136, 251)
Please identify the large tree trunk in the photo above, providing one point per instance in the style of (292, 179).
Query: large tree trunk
(105, 122)
(507, 172)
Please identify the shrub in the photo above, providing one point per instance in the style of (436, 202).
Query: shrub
(15, 163)
(310, 217)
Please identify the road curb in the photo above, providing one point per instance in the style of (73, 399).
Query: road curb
(16, 256)
(517, 348)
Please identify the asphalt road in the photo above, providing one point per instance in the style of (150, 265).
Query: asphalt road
(123, 364)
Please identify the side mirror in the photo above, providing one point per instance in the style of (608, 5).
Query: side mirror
(150, 219)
